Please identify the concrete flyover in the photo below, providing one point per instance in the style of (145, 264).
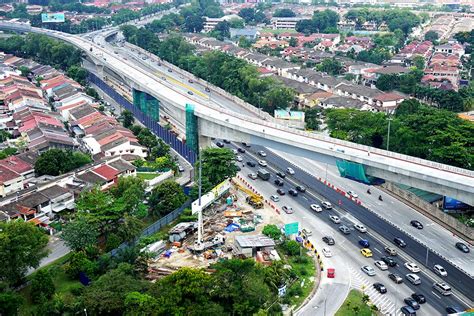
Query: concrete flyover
(214, 121)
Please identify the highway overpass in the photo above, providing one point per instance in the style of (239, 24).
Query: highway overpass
(214, 121)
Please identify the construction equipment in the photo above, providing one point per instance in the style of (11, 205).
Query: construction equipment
(255, 200)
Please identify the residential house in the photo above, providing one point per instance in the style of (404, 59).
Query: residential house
(388, 102)
(10, 181)
(454, 48)
(357, 92)
(278, 66)
(440, 59)
(338, 102)
(18, 165)
(303, 91)
(248, 33)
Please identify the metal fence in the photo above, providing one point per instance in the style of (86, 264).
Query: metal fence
(153, 228)
(181, 148)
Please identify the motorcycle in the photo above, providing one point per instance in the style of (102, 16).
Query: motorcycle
(368, 191)
(380, 198)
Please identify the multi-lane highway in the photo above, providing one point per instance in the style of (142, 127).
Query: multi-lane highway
(380, 234)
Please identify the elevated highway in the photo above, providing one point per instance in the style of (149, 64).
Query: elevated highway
(214, 121)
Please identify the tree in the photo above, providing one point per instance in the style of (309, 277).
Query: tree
(272, 231)
(77, 73)
(10, 302)
(166, 197)
(293, 42)
(130, 191)
(248, 14)
(330, 66)
(222, 29)
(312, 118)
(431, 36)
(42, 286)
(56, 161)
(79, 234)
(194, 24)
(218, 164)
(127, 118)
(130, 228)
(291, 247)
(387, 82)
(25, 71)
(419, 62)
(138, 304)
(284, 13)
(22, 246)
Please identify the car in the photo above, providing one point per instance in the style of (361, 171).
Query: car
(316, 208)
(462, 246)
(411, 302)
(361, 228)
(442, 288)
(207, 89)
(238, 168)
(300, 188)
(281, 174)
(326, 205)
(290, 170)
(288, 209)
(399, 242)
(326, 252)
(246, 145)
(190, 81)
(262, 163)
(239, 158)
(408, 311)
(453, 310)
(368, 270)
(262, 153)
(366, 252)
(307, 232)
(380, 287)
(390, 250)
(170, 70)
(412, 267)
(413, 278)
(226, 141)
(344, 229)
(190, 93)
(439, 270)
(329, 240)
(241, 150)
(395, 278)
(381, 265)
(293, 192)
(275, 198)
(235, 151)
(219, 144)
(419, 298)
(364, 243)
(250, 163)
(253, 176)
(335, 219)
(416, 224)
(180, 168)
(389, 261)
(352, 194)
(281, 191)
(278, 182)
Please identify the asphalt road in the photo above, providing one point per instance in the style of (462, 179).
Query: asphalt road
(383, 232)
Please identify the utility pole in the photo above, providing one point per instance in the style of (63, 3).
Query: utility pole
(388, 132)
(199, 241)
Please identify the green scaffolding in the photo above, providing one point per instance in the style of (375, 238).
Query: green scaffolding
(353, 170)
(148, 104)
(192, 136)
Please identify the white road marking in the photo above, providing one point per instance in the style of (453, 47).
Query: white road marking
(436, 295)
(377, 250)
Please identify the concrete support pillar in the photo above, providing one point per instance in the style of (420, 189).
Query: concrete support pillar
(204, 142)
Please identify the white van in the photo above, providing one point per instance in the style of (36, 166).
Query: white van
(442, 288)
(326, 205)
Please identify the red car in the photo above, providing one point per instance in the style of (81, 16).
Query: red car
(331, 273)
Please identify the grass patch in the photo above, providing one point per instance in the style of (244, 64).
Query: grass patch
(278, 31)
(147, 175)
(354, 305)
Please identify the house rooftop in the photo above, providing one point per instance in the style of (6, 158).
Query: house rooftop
(254, 241)
(106, 172)
(7, 174)
(54, 191)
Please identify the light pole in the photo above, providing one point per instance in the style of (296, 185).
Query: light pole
(388, 132)
(427, 253)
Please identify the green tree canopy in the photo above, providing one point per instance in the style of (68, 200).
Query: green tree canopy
(79, 234)
(166, 197)
(56, 161)
(42, 286)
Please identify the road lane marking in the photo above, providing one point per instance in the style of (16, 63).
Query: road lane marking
(436, 295)
(377, 250)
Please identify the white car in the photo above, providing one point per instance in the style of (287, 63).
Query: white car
(381, 265)
(352, 194)
(235, 151)
(361, 228)
(238, 158)
(262, 163)
(326, 205)
(368, 270)
(412, 267)
(326, 252)
(262, 153)
(275, 198)
(335, 219)
(290, 170)
(316, 208)
(253, 176)
(440, 270)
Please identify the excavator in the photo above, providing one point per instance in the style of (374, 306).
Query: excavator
(255, 200)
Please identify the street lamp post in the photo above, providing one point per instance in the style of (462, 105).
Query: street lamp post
(388, 132)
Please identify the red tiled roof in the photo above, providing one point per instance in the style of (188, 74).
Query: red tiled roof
(389, 96)
(106, 172)
(16, 164)
(7, 174)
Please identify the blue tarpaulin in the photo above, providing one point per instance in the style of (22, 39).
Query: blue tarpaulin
(232, 227)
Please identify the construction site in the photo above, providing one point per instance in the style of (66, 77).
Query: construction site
(230, 227)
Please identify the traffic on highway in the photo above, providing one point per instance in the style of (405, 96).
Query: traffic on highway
(389, 255)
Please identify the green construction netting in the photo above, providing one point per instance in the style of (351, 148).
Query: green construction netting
(192, 137)
(353, 170)
(148, 104)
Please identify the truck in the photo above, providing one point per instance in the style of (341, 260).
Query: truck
(263, 174)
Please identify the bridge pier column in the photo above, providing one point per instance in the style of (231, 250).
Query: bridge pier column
(204, 142)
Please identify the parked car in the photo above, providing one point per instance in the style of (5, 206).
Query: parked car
(412, 267)
(278, 182)
(380, 288)
(316, 208)
(419, 298)
(439, 270)
(288, 209)
(408, 311)
(238, 158)
(329, 240)
(368, 270)
(416, 224)
(290, 171)
(180, 168)
(335, 219)
(344, 229)
(361, 228)
(462, 246)
(395, 278)
(399, 242)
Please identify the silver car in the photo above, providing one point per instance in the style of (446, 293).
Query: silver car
(368, 270)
